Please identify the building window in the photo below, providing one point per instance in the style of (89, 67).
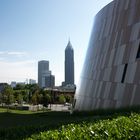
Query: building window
(138, 53)
(124, 73)
(73, 104)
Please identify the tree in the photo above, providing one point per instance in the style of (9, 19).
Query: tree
(45, 99)
(68, 98)
(20, 98)
(0, 98)
(26, 97)
(62, 99)
(21, 95)
(8, 96)
(26, 91)
(19, 87)
(32, 89)
(35, 98)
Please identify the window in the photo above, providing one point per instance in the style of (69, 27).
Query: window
(73, 104)
(138, 53)
(124, 73)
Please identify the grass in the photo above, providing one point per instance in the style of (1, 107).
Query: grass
(17, 124)
(15, 118)
(16, 111)
(21, 124)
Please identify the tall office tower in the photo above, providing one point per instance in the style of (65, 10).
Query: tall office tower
(69, 64)
(43, 72)
(50, 81)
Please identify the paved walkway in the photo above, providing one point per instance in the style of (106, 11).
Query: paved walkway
(58, 107)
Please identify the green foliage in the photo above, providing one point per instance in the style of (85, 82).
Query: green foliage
(118, 128)
(29, 125)
(21, 95)
(20, 98)
(62, 99)
(68, 98)
(1, 98)
(7, 95)
(26, 91)
(36, 98)
(19, 87)
(33, 88)
(45, 99)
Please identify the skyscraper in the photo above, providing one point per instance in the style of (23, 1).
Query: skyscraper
(50, 81)
(69, 64)
(43, 73)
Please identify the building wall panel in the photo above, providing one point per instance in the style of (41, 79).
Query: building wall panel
(111, 71)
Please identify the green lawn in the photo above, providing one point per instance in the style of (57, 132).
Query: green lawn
(21, 124)
(24, 124)
(16, 111)
(15, 118)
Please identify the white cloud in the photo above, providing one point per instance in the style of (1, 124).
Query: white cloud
(13, 53)
(17, 71)
(1, 52)
(1, 58)
(17, 53)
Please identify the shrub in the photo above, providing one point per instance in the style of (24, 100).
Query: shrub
(119, 128)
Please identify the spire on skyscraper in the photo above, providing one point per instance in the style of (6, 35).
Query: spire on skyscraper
(69, 46)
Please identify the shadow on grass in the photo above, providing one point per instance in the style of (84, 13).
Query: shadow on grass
(19, 126)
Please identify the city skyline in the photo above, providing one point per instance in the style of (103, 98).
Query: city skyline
(39, 30)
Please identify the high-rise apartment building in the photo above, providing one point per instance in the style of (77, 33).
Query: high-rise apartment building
(69, 64)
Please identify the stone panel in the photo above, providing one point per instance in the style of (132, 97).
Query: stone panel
(136, 99)
(130, 73)
(127, 95)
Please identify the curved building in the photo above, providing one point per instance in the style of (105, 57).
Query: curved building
(111, 72)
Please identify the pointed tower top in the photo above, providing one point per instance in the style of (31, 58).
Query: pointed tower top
(69, 46)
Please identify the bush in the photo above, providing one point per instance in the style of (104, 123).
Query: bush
(119, 128)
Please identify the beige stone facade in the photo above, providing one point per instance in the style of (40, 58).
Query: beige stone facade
(111, 72)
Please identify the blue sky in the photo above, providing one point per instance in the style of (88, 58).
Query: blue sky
(33, 30)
